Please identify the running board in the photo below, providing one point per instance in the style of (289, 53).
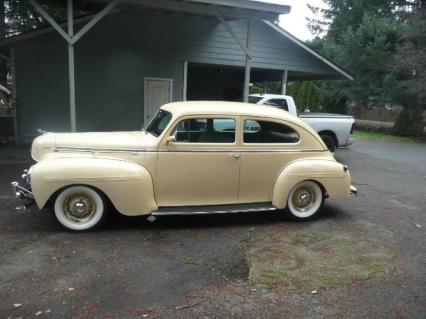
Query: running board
(205, 210)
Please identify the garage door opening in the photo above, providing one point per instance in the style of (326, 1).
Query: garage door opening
(215, 82)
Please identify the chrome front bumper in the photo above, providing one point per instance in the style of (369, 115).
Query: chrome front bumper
(22, 191)
(354, 191)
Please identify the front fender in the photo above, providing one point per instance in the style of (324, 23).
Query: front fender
(333, 176)
(128, 185)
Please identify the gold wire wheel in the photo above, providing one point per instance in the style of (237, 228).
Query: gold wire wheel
(79, 207)
(303, 198)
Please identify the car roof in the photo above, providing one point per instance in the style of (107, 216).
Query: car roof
(225, 108)
(231, 108)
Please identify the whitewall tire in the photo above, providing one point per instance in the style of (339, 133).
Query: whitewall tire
(305, 200)
(79, 208)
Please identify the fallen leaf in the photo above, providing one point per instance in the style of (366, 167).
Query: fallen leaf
(314, 292)
(189, 260)
(38, 313)
(71, 289)
(17, 305)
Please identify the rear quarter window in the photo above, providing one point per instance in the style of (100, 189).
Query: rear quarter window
(267, 132)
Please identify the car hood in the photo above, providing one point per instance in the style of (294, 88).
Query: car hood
(108, 141)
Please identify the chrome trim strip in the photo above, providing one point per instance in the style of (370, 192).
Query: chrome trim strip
(95, 150)
(213, 212)
(239, 151)
(134, 152)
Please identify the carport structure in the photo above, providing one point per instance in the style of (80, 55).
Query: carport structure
(127, 57)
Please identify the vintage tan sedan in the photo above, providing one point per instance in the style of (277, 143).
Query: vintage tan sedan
(193, 158)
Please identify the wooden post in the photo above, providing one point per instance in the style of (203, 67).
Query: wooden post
(248, 63)
(185, 81)
(284, 83)
(14, 104)
(71, 68)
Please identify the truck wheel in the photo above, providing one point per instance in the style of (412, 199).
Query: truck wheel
(305, 200)
(329, 142)
(79, 208)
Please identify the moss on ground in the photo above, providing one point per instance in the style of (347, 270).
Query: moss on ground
(316, 260)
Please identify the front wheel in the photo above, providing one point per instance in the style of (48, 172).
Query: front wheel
(305, 200)
(79, 208)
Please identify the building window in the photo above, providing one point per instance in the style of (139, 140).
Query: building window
(264, 132)
(204, 130)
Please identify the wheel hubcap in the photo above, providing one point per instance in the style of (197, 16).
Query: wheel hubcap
(303, 199)
(79, 208)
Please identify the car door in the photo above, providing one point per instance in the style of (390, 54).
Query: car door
(268, 146)
(201, 165)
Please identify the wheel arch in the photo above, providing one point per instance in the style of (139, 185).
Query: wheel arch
(50, 201)
(127, 186)
(334, 181)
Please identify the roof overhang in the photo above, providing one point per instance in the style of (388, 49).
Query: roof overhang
(229, 9)
(300, 43)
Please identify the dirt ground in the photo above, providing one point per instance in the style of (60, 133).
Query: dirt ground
(363, 257)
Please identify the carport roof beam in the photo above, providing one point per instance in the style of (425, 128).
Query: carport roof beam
(231, 32)
(49, 19)
(95, 20)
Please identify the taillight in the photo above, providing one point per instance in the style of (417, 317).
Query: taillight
(353, 128)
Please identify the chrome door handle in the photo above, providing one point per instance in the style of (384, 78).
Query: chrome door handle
(236, 155)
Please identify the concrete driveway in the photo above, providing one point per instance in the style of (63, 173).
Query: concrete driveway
(364, 257)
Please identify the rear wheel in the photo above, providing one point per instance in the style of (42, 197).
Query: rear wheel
(305, 200)
(329, 142)
(79, 208)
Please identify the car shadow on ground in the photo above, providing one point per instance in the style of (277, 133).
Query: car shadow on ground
(44, 221)
(119, 222)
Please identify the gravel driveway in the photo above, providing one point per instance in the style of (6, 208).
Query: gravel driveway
(363, 257)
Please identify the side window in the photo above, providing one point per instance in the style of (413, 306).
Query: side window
(279, 103)
(264, 132)
(205, 130)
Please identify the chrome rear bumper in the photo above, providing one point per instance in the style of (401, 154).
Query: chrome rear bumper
(350, 141)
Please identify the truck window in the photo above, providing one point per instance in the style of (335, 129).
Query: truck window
(254, 99)
(279, 103)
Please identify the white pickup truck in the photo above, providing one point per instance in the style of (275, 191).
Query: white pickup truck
(335, 129)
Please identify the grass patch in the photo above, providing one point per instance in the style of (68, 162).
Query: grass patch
(374, 136)
(300, 261)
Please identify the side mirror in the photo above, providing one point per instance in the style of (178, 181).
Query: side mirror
(171, 139)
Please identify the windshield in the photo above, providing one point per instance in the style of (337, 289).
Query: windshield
(159, 123)
(255, 99)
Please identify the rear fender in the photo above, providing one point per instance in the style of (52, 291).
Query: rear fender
(128, 185)
(332, 176)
